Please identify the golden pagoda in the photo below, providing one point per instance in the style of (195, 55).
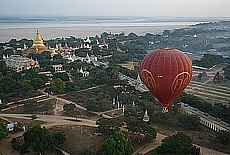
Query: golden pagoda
(38, 47)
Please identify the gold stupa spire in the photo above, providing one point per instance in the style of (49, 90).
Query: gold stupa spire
(38, 39)
(38, 45)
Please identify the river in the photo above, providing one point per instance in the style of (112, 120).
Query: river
(19, 28)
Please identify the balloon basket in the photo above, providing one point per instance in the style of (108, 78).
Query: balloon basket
(165, 110)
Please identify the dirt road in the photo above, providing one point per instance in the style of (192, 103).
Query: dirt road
(50, 121)
(157, 142)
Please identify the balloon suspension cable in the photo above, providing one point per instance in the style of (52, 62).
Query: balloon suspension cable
(165, 109)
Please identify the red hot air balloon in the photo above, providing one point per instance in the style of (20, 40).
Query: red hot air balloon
(166, 72)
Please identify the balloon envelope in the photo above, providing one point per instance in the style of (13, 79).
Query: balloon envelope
(166, 72)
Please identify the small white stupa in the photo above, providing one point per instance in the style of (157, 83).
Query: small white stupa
(146, 116)
(138, 79)
(114, 102)
(88, 58)
(81, 70)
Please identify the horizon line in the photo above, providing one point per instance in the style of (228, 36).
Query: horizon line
(2, 15)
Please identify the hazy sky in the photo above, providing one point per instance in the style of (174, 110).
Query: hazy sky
(181, 8)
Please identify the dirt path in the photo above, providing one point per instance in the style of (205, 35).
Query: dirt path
(152, 145)
(91, 88)
(50, 121)
(157, 142)
(60, 102)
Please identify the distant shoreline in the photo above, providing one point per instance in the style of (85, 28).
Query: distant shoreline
(52, 30)
(14, 27)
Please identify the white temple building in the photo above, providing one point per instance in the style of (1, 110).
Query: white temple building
(57, 68)
(19, 63)
(84, 73)
(87, 43)
(88, 58)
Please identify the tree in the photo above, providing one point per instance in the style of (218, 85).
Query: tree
(104, 35)
(16, 76)
(7, 83)
(104, 105)
(61, 138)
(138, 126)
(109, 123)
(45, 55)
(30, 106)
(91, 104)
(3, 131)
(96, 49)
(2, 64)
(118, 144)
(3, 68)
(223, 137)
(128, 98)
(69, 86)
(18, 145)
(57, 57)
(208, 60)
(76, 74)
(39, 139)
(36, 83)
(50, 68)
(76, 65)
(132, 35)
(33, 117)
(43, 63)
(58, 86)
(179, 143)
(190, 122)
(113, 46)
(63, 76)
(216, 110)
(160, 117)
(101, 77)
(26, 86)
(69, 107)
